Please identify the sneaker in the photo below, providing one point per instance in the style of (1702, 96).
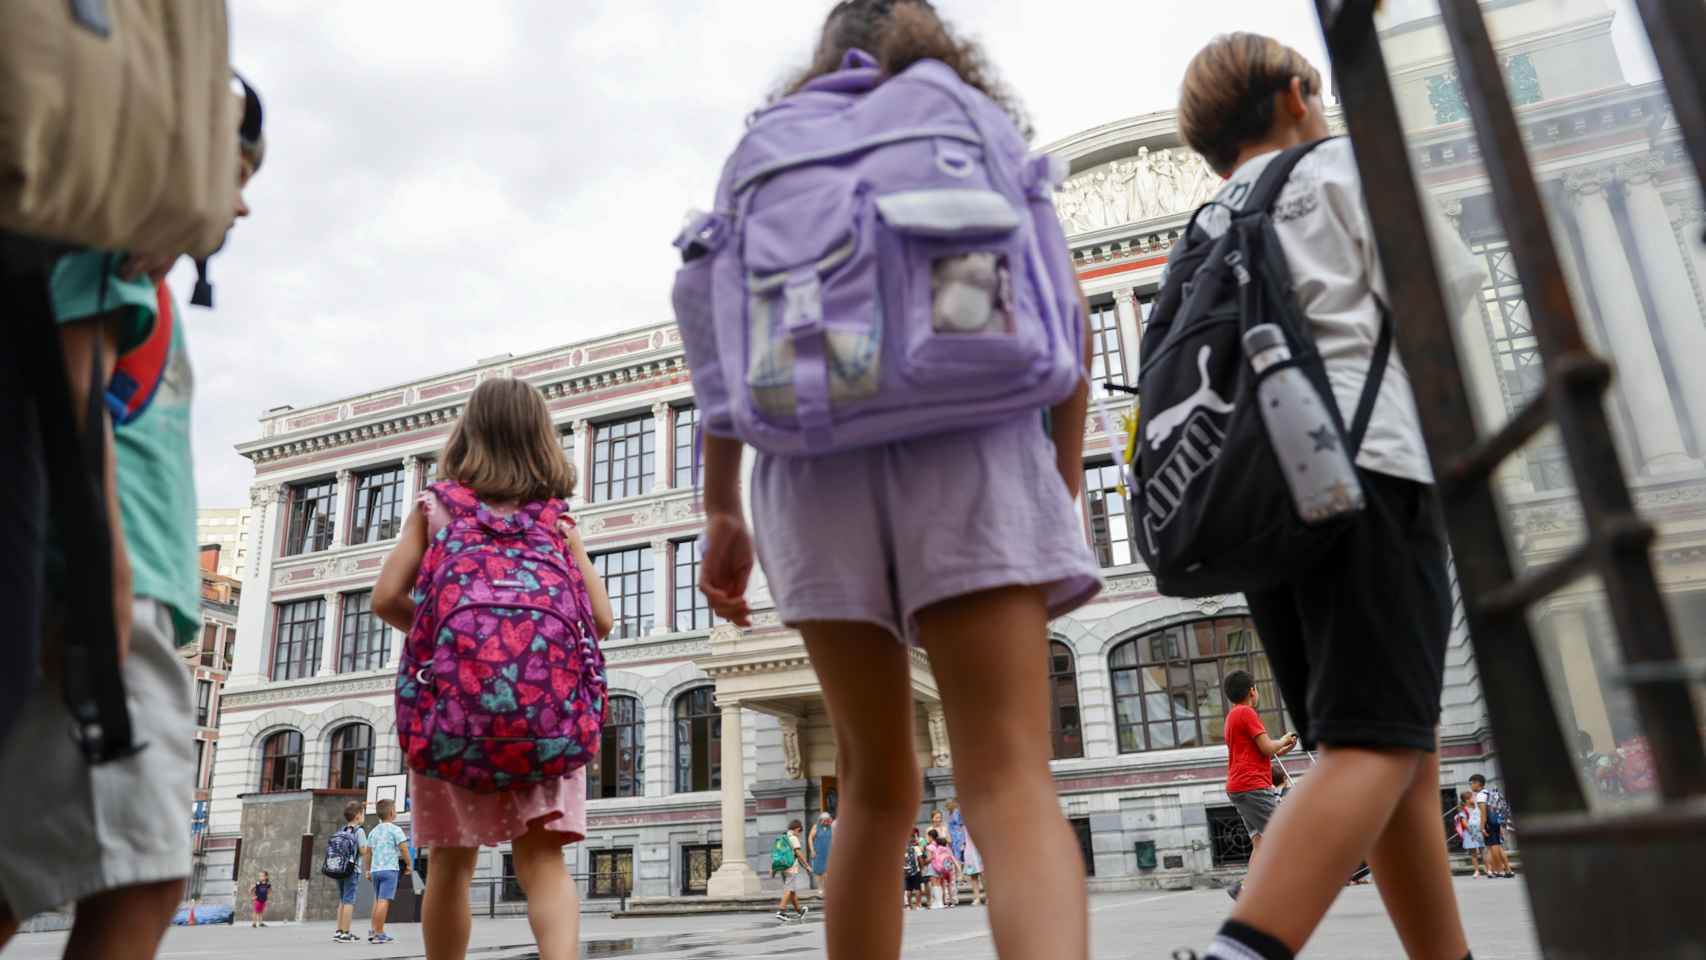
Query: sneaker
(783, 915)
(1234, 890)
(382, 938)
(804, 910)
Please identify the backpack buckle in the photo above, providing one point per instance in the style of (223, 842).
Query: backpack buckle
(802, 310)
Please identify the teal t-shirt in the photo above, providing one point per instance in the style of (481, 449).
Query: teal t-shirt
(156, 473)
(386, 840)
(156, 493)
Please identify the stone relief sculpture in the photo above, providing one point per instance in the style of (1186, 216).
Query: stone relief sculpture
(1154, 183)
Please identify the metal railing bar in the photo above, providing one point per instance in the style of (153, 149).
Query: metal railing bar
(1677, 31)
(1504, 646)
(1517, 595)
(1618, 539)
(1679, 671)
(1482, 459)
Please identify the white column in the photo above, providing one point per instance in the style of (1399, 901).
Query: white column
(936, 724)
(662, 417)
(583, 459)
(1125, 304)
(1487, 395)
(1667, 277)
(329, 638)
(1639, 377)
(1688, 218)
(1569, 628)
(735, 878)
(663, 569)
(266, 520)
(411, 483)
(343, 501)
(1570, 257)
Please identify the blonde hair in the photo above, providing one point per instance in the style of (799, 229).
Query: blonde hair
(387, 809)
(504, 447)
(1227, 99)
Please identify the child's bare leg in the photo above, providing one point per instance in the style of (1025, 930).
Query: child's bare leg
(1413, 872)
(867, 686)
(986, 652)
(553, 906)
(1302, 868)
(124, 924)
(445, 916)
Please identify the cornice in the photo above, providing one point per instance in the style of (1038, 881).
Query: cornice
(313, 688)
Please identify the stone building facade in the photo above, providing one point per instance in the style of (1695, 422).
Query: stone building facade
(718, 736)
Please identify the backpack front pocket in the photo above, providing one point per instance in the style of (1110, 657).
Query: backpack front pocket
(959, 274)
(814, 311)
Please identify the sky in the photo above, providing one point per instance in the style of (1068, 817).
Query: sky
(443, 185)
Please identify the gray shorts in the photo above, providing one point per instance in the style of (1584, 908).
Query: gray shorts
(797, 882)
(1255, 808)
(80, 830)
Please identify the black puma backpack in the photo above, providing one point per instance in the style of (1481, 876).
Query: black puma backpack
(1211, 509)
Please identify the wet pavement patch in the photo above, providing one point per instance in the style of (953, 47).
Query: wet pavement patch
(687, 946)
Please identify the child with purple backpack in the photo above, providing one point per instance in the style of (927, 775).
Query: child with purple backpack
(500, 689)
(882, 304)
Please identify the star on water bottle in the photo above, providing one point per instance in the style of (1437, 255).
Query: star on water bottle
(1324, 439)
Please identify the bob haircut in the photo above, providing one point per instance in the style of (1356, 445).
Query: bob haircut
(504, 447)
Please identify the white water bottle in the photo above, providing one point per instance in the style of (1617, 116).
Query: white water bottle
(1317, 468)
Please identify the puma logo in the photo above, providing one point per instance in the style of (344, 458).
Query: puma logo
(1162, 425)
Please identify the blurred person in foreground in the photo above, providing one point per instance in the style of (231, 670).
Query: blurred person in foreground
(117, 843)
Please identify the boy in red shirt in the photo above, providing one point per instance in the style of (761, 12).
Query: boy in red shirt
(1249, 761)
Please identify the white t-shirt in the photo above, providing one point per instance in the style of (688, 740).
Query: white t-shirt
(1323, 226)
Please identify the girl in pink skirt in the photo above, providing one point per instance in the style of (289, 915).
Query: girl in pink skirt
(505, 449)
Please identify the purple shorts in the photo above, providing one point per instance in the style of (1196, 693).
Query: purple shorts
(876, 535)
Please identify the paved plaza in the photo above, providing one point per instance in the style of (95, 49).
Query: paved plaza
(1127, 926)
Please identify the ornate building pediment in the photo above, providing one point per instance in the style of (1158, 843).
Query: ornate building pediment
(1148, 185)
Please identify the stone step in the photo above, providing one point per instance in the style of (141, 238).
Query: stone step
(690, 906)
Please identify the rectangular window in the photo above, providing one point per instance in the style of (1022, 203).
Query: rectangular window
(203, 701)
(611, 873)
(624, 458)
(1110, 519)
(628, 577)
(1081, 830)
(566, 440)
(229, 655)
(686, 422)
(378, 505)
(209, 644)
(692, 610)
(313, 517)
(364, 641)
(429, 473)
(1107, 353)
(296, 640)
(512, 889)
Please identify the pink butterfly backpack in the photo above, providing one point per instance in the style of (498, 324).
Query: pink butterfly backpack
(501, 683)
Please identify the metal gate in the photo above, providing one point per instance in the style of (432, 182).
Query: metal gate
(1619, 881)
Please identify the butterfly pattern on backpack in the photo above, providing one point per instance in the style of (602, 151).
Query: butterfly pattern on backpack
(501, 683)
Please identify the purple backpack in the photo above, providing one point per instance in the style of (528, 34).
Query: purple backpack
(884, 262)
(501, 683)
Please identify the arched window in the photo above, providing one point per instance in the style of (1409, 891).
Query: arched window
(1064, 723)
(619, 768)
(1167, 684)
(352, 757)
(281, 762)
(698, 741)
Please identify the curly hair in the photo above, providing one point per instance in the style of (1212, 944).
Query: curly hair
(899, 33)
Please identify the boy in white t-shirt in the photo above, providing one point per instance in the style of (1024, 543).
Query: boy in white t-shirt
(1357, 643)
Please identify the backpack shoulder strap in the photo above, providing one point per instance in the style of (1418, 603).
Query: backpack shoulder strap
(1268, 186)
(1371, 386)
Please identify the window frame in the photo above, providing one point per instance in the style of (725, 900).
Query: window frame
(684, 580)
(632, 591)
(344, 754)
(280, 767)
(1101, 481)
(623, 713)
(631, 443)
(598, 881)
(312, 638)
(698, 723)
(1136, 658)
(203, 703)
(683, 423)
(1058, 733)
(358, 651)
(297, 539)
(377, 491)
(1107, 345)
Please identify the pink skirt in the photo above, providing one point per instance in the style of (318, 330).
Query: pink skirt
(446, 815)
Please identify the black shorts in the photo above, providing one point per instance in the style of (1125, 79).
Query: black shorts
(1358, 645)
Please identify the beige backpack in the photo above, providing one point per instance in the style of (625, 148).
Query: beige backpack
(117, 123)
